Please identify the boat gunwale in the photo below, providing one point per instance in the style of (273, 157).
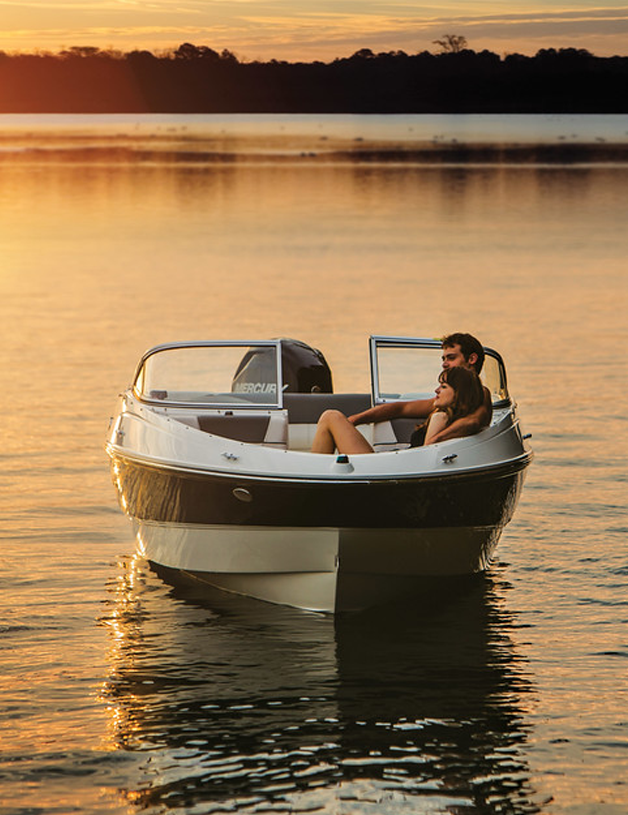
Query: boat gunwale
(508, 466)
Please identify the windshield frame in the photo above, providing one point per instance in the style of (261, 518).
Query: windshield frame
(274, 403)
(383, 341)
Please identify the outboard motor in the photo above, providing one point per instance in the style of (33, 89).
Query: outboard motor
(305, 370)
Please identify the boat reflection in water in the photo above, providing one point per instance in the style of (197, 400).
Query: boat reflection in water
(230, 704)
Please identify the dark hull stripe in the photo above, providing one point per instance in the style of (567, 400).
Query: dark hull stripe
(462, 499)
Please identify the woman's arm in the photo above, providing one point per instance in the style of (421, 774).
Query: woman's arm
(437, 422)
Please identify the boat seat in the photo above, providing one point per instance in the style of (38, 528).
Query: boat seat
(404, 428)
(306, 408)
(393, 434)
(269, 427)
(304, 411)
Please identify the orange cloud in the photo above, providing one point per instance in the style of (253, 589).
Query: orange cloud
(307, 29)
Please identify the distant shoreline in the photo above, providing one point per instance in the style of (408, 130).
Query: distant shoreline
(198, 80)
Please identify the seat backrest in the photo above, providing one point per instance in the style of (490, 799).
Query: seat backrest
(240, 427)
(404, 428)
(269, 427)
(306, 408)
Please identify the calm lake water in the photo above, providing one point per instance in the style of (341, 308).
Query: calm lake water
(119, 694)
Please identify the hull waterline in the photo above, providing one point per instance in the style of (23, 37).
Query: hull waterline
(323, 569)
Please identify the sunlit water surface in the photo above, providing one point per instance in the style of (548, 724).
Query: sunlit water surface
(119, 694)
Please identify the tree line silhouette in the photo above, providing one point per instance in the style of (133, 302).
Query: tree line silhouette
(198, 79)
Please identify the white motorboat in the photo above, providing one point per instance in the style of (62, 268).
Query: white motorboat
(210, 457)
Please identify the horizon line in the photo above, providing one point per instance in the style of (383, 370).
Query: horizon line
(160, 52)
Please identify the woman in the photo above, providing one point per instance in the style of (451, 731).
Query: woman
(458, 394)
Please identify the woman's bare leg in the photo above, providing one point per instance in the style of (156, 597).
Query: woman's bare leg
(335, 431)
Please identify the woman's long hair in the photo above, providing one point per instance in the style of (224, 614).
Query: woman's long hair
(468, 391)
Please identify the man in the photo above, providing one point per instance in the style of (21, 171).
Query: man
(337, 431)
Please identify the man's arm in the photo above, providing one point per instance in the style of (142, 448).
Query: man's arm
(468, 425)
(416, 409)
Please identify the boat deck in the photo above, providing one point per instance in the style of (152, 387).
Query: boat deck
(293, 428)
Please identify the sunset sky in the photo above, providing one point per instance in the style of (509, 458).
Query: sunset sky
(312, 29)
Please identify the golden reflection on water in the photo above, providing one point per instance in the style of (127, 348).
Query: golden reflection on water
(123, 624)
(101, 259)
(293, 249)
(239, 701)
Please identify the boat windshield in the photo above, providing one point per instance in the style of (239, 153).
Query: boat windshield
(216, 374)
(406, 368)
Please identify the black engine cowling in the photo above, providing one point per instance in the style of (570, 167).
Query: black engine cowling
(305, 370)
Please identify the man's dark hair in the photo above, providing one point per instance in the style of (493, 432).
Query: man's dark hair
(468, 345)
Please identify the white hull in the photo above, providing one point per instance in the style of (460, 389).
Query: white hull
(317, 569)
